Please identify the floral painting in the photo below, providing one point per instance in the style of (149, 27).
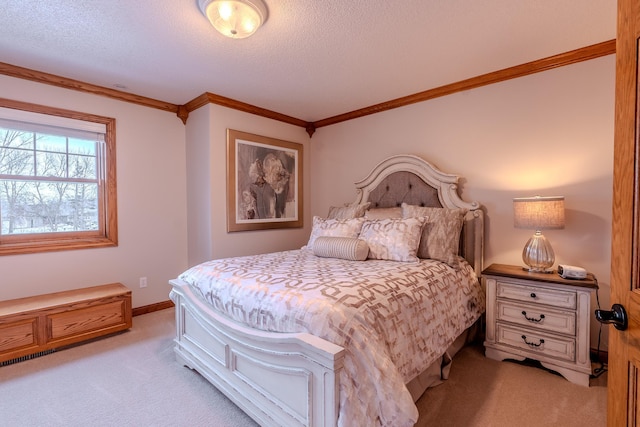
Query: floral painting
(264, 182)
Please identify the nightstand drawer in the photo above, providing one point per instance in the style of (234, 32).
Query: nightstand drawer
(536, 295)
(536, 342)
(543, 318)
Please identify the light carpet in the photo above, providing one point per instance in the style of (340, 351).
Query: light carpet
(133, 379)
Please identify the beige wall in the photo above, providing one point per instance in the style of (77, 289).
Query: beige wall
(550, 134)
(207, 178)
(152, 216)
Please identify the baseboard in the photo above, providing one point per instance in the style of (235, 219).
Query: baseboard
(152, 307)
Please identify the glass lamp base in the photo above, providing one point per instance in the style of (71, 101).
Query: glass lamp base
(538, 254)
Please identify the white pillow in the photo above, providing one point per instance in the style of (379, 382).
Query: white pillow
(348, 211)
(341, 247)
(441, 233)
(394, 239)
(382, 213)
(334, 228)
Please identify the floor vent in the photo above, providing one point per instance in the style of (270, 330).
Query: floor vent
(28, 357)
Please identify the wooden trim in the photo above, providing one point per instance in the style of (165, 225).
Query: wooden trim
(182, 111)
(183, 114)
(568, 58)
(55, 111)
(64, 82)
(212, 98)
(197, 102)
(153, 307)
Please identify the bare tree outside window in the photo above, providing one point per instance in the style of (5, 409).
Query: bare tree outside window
(48, 184)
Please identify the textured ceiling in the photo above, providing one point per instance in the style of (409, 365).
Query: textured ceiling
(312, 59)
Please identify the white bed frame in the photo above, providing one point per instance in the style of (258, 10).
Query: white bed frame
(285, 379)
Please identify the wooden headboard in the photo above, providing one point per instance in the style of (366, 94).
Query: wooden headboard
(412, 180)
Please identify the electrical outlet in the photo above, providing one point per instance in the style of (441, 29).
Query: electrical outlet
(143, 282)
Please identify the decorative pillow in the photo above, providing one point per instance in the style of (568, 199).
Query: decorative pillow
(441, 234)
(394, 239)
(341, 247)
(334, 228)
(348, 211)
(382, 213)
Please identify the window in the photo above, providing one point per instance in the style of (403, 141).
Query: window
(57, 179)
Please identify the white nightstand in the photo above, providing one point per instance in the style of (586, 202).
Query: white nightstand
(539, 316)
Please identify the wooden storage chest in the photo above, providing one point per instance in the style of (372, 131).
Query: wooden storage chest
(44, 322)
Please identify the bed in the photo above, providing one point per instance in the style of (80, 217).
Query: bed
(322, 336)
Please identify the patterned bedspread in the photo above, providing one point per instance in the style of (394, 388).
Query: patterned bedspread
(393, 318)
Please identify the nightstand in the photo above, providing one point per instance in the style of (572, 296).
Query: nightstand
(539, 316)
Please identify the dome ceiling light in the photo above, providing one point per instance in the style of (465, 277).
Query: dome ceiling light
(236, 19)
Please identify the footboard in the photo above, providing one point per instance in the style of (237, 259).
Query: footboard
(278, 379)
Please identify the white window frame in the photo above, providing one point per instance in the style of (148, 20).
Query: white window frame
(107, 233)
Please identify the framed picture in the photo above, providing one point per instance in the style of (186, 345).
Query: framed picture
(264, 182)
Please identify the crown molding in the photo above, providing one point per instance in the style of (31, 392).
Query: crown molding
(67, 83)
(545, 64)
(182, 111)
(212, 98)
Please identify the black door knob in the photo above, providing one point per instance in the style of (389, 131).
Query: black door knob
(617, 316)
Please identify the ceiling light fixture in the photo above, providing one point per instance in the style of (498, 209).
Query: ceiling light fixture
(235, 18)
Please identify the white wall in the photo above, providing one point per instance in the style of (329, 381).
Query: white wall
(207, 180)
(549, 134)
(152, 215)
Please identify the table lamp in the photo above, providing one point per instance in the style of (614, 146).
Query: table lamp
(538, 213)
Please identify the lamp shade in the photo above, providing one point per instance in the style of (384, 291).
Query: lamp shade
(235, 18)
(539, 213)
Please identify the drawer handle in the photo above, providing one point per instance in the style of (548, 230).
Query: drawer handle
(533, 319)
(532, 344)
(533, 295)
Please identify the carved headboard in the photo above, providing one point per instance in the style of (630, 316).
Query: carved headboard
(412, 180)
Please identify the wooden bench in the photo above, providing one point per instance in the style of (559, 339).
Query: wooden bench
(36, 324)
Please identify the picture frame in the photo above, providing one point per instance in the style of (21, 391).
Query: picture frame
(264, 182)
